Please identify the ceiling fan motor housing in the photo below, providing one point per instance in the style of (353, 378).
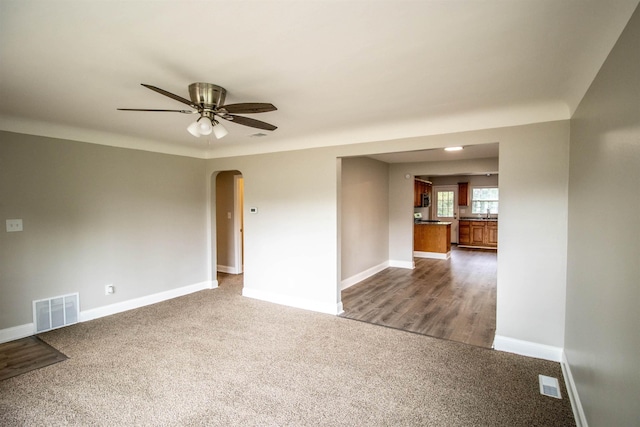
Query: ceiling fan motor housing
(208, 95)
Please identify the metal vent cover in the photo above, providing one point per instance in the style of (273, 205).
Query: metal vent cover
(56, 312)
(549, 386)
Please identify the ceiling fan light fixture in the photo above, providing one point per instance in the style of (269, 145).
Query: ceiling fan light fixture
(218, 130)
(207, 100)
(193, 129)
(205, 127)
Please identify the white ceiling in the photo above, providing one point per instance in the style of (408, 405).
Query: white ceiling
(339, 71)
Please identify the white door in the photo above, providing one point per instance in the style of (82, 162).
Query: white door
(445, 207)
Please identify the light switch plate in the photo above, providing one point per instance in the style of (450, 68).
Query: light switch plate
(14, 225)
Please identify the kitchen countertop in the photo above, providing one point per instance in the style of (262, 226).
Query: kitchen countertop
(468, 218)
(431, 223)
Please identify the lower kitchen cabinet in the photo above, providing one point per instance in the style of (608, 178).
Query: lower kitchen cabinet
(492, 234)
(482, 234)
(464, 233)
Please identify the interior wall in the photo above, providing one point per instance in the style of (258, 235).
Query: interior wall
(96, 215)
(532, 237)
(290, 244)
(473, 180)
(225, 220)
(364, 215)
(602, 343)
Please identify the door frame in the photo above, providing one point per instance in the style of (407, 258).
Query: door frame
(238, 223)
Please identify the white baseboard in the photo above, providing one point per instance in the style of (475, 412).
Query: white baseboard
(119, 307)
(357, 278)
(226, 269)
(527, 348)
(434, 255)
(16, 332)
(402, 264)
(291, 301)
(572, 391)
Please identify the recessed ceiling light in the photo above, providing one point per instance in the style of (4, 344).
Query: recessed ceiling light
(453, 149)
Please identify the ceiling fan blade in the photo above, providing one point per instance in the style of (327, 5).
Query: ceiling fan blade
(249, 122)
(168, 111)
(248, 108)
(173, 96)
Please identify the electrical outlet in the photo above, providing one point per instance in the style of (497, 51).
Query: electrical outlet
(109, 289)
(14, 225)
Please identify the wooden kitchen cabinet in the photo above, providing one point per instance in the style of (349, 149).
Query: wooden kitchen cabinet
(464, 233)
(481, 234)
(463, 194)
(420, 188)
(492, 234)
(477, 233)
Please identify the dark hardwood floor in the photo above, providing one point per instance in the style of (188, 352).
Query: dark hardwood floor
(26, 354)
(454, 299)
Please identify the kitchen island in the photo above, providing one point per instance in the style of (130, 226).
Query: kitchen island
(432, 239)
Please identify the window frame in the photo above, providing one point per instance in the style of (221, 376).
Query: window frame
(485, 201)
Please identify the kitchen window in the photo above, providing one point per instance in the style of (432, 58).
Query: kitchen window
(484, 199)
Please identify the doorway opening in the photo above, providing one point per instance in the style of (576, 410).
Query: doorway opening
(452, 298)
(228, 210)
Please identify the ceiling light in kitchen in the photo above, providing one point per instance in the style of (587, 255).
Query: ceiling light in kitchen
(453, 148)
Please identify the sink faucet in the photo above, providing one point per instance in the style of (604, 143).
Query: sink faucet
(488, 212)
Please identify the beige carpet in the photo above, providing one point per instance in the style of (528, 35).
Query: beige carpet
(214, 358)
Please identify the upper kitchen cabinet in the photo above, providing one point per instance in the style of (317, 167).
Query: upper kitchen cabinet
(463, 194)
(420, 188)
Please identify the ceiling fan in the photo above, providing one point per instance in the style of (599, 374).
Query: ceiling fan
(207, 100)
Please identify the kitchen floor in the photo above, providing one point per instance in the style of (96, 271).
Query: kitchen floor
(453, 299)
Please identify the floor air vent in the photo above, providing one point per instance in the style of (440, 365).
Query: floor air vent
(549, 386)
(56, 312)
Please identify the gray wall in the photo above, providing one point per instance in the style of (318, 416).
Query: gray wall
(95, 215)
(291, 243)
(365, 215)
(602, 342)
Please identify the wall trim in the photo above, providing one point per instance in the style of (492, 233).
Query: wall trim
(572, 391)
(356, 278)
(433, 255)
(527, 348)
(291, 301)
(226, 269)
(119, 307)
(16, 332)
(402, 264)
